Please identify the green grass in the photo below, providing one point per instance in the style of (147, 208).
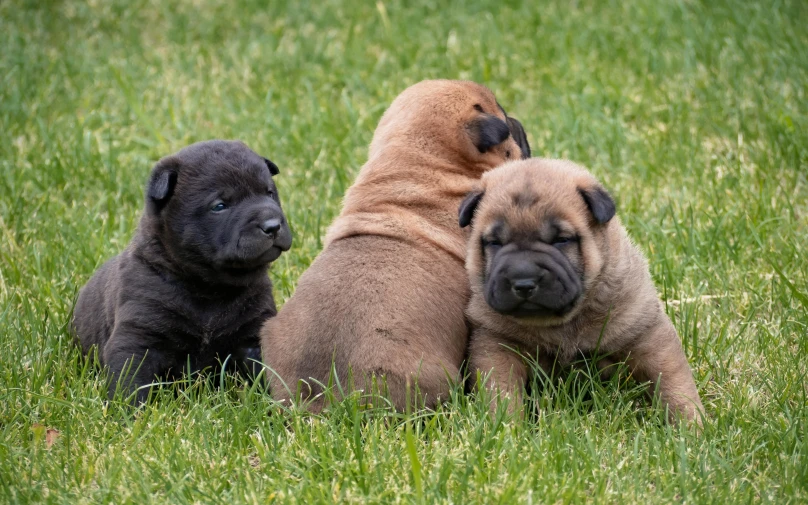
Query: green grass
(694, 114)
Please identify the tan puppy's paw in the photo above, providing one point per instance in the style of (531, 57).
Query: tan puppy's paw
(501, 369)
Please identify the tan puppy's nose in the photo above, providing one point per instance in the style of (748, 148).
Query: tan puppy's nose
(524, 278)
(524, 288)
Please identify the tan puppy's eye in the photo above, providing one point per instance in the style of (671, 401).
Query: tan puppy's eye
(562, 240)
(478, 107)
(491, 242)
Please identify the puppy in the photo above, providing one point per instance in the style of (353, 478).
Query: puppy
(386, 296)
(553, 274)
(192, 286)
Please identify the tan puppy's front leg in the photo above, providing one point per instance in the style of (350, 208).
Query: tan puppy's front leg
(505, 369)
(659, 358)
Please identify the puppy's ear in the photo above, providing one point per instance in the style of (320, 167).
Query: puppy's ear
(519, 135)
(468, 206)
(600, 203)
(273, 168)
(487, 131)
(162, 181)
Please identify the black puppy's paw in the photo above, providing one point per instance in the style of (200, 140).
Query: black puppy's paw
(132, 371)
(248, 361)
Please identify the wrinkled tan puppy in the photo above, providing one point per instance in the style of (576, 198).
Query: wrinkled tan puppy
(554, 275)
(386, 296)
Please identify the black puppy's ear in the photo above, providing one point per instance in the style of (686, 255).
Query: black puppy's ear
(162, 181)
(468, 206)
(487, 131)
(273, 168)
(519, 135)
(600, 203)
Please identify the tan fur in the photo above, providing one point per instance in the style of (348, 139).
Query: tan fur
(619, 310)
(386, 296)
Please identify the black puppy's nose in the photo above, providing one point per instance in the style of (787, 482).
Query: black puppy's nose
(523, 288)
(270, 226)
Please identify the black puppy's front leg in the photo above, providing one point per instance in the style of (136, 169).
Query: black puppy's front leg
(246, 349)
(248, 361)
(132, 367)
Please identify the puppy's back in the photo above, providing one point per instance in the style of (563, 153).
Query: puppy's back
(346, 312)
(386, 296)
(93, 315)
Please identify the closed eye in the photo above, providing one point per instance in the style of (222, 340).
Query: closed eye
(561, 240)
(491, 243)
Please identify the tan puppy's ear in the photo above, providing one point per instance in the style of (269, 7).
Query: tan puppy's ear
(600, 203)
(162, 181)
(487, 131)
(468, 206)
(519, 135)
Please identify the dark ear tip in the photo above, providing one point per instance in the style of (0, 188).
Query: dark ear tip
(467, 208)
(489, 131)
(600, 203)
(519, 135)
(273, 168)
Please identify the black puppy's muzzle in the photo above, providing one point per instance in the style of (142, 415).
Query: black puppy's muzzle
(259, 235)
(270, 227)
(532, 283)
(267, 227)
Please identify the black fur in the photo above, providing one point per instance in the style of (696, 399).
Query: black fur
(468, 206)
(519, 135)
(192, 286)
(517, 132)
(162, 181)
(273, 168)
(600, 203)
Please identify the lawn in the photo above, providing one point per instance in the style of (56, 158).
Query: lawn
(694, 115)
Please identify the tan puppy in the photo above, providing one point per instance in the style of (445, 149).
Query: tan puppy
(386, 296)
(554, 275)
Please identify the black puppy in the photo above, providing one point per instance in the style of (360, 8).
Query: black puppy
(192, 286)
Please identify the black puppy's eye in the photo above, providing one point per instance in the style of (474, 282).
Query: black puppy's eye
(270, 192)
(218, 207)
(478, 107)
